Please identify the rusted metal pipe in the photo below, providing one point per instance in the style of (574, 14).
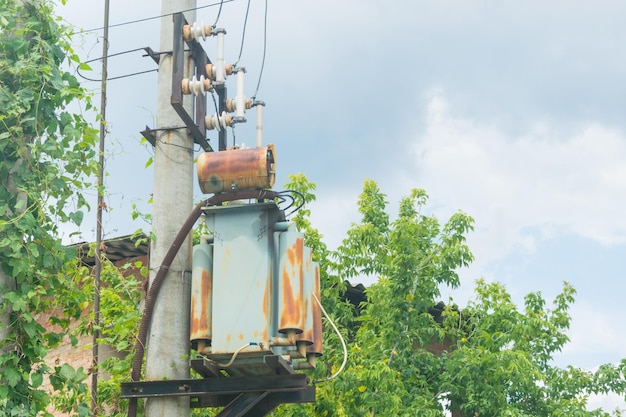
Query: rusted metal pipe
(153, 293)
(290, 282)
(316, 348)
(201, 295)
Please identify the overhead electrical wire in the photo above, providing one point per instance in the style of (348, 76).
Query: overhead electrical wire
(264, 50)
(158, 17)
(120, 76)
(219, 12)
(220, 4)
(243, 35)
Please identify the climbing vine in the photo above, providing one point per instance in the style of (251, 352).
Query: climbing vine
(46, 156)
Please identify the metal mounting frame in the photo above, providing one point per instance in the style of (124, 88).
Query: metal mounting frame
(195, 124)
(196, 127)
(246, 396)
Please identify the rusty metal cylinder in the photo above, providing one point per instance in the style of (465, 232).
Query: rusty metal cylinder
(290, 282)
(307, 335)
(237, 169)
(316, 348)
(201, 294)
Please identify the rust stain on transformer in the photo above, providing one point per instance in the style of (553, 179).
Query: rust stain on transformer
(316, 347)
(291, 317)
(265, 314)
(200, 306)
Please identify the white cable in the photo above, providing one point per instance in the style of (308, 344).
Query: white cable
(343, 343)
(232, 359)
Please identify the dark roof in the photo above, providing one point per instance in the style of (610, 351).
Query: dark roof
(116, 249)
(356, 294)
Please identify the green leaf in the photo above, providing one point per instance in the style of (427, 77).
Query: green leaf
(37, 379)
(76, 217)
(12, 376)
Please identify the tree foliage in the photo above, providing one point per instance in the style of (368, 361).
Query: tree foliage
(408, 354)
(46, 155)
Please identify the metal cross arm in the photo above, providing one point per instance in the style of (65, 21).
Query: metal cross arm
(214, 386)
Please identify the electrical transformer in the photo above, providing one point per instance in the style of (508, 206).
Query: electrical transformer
(255, 289)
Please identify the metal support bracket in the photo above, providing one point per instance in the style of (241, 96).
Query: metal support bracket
(241, 396)
(156, 57)
(196, 127)
(215, 386)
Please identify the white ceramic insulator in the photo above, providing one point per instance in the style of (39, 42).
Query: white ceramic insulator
(218, 123)
(210, 122)
(224, 120)
(197, 86)
(220, 71)
(241, 99)
(259, 125)
(197, 31)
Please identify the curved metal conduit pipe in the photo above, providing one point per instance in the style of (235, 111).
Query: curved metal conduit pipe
(153, 293)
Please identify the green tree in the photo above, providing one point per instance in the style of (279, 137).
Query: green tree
(46, 154)
(407, 355)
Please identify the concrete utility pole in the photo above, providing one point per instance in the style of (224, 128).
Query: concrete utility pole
(168, 337)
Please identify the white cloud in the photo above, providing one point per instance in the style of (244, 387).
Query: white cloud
(608, 402)
(543, 180)
(595, 335)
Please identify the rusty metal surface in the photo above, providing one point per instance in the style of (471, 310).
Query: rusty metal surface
(201, 293)
(194, 387)
(291, 279)
(307, 335)
(254, 297)
(242, 269)
(238, 169)
(259, 195)
(316, 347)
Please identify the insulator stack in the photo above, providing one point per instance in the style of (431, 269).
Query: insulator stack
(196, 31)
(210, 70)
(222, 122)
(195, 86)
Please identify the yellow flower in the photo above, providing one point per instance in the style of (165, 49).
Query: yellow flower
(361, 388)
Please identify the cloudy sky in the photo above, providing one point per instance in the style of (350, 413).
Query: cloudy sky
(510, 111)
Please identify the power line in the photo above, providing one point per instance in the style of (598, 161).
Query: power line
(243, 35)
(219, 12)
(147, 49)
(159, 17)
(264, 50)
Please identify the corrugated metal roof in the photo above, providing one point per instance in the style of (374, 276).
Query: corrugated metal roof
(116, 249)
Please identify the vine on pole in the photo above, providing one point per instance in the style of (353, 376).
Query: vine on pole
(47, 158)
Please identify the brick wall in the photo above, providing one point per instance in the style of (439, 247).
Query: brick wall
(81, 355)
